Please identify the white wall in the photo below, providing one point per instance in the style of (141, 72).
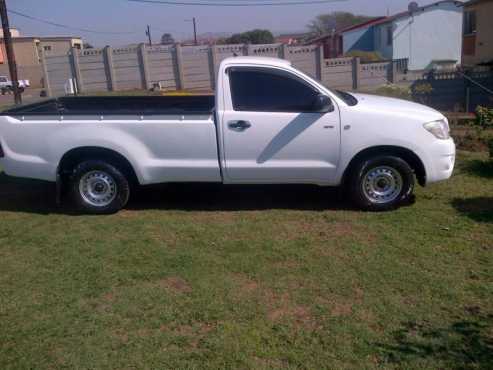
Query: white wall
(435, 34)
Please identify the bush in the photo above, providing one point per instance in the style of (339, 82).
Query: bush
(420, 91)
(490, 147)
(394, 91)
(365, 56)
(253, 37)
(484, 117)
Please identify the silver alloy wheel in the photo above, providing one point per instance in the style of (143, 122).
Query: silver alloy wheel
(382, 184)
(98, 188)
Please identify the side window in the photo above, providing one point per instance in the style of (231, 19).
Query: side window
(469, 22)
(269, 90)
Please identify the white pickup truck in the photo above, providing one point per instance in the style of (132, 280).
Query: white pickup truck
(6, 86)
(268, 124)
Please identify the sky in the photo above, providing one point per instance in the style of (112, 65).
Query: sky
(127, 20)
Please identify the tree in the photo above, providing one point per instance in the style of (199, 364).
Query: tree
(251, 37)
(326, 23)
(167, 39)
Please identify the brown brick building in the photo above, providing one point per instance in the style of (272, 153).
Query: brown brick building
(478, 32)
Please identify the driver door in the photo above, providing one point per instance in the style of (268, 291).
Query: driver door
(271, 133)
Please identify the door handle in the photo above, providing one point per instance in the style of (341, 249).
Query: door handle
(239, 125)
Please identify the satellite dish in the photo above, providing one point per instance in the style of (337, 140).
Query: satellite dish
(413, 7)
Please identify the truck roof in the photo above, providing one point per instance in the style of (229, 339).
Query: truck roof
(275, 62)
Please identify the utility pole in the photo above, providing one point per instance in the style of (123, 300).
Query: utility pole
(7, 38)
(195, 30)
(194, 20)
(148, 33)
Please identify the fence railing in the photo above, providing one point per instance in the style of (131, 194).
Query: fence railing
(455, 91)
(195, 67)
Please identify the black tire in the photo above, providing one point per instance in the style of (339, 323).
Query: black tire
(365, 178)
(94, 174)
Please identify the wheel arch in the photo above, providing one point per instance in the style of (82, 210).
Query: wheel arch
(77, 155)
(406, 154)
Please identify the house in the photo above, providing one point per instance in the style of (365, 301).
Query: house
(341, 41)
(27, 52)
(360, 37)
(477, 33)
(331, 43)
(425, 35)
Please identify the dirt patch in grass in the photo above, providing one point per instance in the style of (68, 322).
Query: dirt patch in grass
(194, 333)
(341, 309)
(108, 297)
(121, 335)
(338, 306)
(288, 265)
(277, 306)
(281, 307)
(269, 363)
(175, 284)
(300, 315)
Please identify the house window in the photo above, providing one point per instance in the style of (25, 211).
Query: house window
(47, 48)
(390, 36)
(470, 22)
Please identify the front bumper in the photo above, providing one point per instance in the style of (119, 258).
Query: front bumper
(441, 161)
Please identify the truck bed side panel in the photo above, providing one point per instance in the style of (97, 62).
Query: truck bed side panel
(160, 148)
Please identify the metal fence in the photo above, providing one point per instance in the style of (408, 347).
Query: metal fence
(455, 91)
(195, 67)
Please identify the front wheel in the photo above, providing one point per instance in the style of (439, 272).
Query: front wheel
(98, 187)
(382, 183)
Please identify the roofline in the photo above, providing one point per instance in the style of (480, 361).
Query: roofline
(342, 30)
(363, 24)
(408, 13)
(383, 20)
(43, 38)
(473, 2)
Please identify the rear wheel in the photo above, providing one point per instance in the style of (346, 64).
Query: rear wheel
(98, 187)
(381, 183)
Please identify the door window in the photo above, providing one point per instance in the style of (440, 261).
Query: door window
(270, 90)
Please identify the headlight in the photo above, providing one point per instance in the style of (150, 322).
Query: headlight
(439, 129)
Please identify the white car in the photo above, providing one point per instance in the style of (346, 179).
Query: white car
(269, 123)
(6, 85)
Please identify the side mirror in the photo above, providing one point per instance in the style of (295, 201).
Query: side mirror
(322, 104)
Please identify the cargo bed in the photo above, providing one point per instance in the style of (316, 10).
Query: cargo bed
(117, 105)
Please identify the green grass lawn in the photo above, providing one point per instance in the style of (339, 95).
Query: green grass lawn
(249, 277)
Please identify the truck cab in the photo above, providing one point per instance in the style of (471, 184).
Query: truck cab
(277, 124)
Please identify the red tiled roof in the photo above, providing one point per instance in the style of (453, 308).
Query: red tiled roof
(341, 30)
(371, 22)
